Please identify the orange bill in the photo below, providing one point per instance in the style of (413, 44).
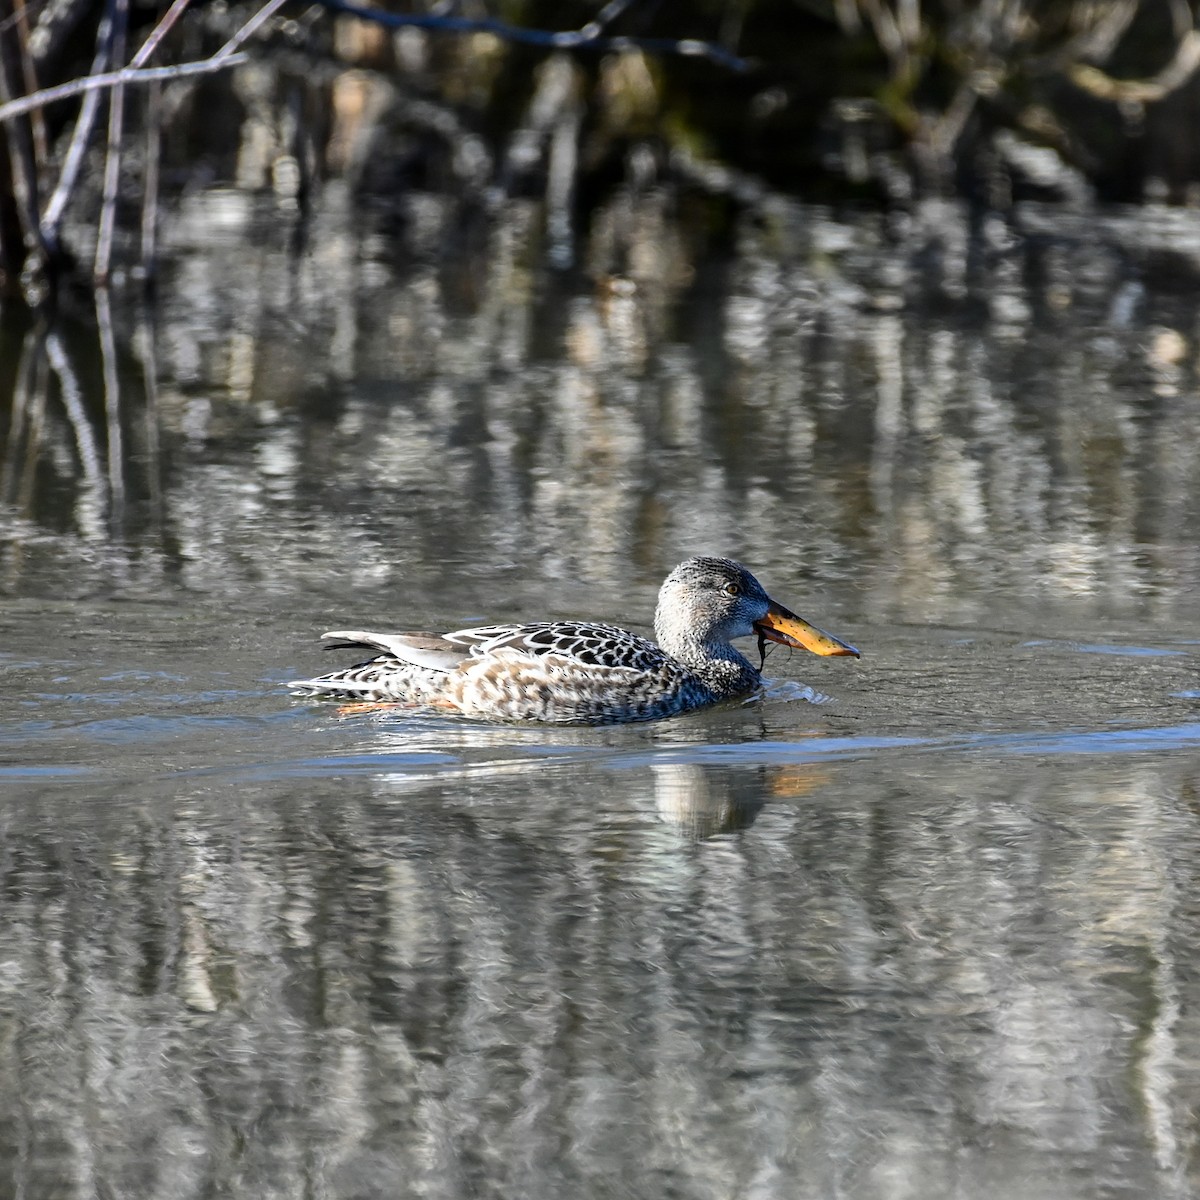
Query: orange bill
(780, 625)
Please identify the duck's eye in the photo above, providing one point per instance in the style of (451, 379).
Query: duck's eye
(732, 589)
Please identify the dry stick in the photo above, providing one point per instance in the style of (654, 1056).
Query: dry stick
(1173, 76)
(250, 28)
(153, 138)
(52, 217)
(87, 111)
(221, 61)
(76, 87)
(159, 32)
(28, 69)
(22, 165)
(226, 58)
(55, 209)
(153, 141)
(112, 160)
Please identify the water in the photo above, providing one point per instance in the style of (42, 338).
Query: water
(922, 924)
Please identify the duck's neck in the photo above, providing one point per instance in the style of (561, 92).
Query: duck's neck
(717, 663)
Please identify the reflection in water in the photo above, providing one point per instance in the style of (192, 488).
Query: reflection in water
(379, 414)
(687, 795)
(935, 937)
(703, 801)
(901, 981)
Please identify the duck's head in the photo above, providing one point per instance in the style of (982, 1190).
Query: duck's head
(711, 601)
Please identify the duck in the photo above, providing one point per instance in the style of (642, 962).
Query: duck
(584, 672)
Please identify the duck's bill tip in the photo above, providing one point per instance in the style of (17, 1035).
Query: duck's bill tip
(780, 625)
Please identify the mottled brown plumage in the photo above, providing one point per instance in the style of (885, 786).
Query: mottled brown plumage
(585, 672)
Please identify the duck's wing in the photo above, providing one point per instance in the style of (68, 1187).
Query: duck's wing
(432, 650)
(589, 642)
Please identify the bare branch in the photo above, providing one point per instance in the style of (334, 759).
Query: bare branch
(29, 71)
(73, 160)
(250, 28)
(112, 158)
(22, 163)
(87, 113)
(224, 58)
(76, 87)
(1143, 91)
(159, 32)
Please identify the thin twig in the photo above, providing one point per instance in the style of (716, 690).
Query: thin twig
(159, 32)
(250, 28)
(57, 20)
(20, 14)
(73, 161)
(227, 56)
(1142, 91)
(112, 158)
(76, 87)
(223, 59)
(29, 70)
(22, 165)
(153, 138)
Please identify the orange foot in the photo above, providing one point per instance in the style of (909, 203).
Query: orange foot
(366, 706)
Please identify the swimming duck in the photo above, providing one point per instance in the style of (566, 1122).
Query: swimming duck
(585, 672)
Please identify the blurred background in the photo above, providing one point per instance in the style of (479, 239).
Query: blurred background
(882, 102)
(849, 273)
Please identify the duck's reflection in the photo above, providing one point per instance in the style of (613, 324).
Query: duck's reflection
(703, 801)
(645, 768)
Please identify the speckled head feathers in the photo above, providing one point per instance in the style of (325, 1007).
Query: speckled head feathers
(707, 600)
(711, 572)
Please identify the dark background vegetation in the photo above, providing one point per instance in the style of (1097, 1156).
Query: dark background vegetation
(870, 101)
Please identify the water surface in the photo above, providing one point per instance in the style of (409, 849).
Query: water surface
(922, 924)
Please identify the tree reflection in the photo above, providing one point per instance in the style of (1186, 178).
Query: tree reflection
(483, 987)
(944, 415)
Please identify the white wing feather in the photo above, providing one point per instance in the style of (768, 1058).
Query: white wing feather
(428, 650)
